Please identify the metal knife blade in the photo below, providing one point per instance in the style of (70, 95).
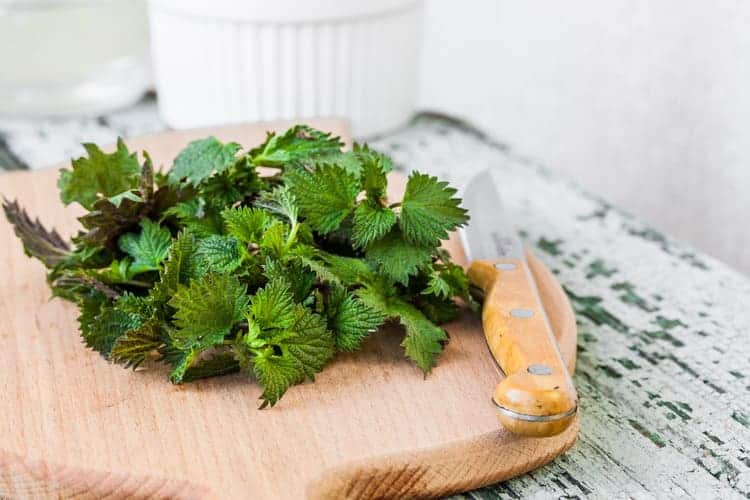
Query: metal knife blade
(490, 235)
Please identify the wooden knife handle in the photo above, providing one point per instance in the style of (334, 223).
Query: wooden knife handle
(537, 397)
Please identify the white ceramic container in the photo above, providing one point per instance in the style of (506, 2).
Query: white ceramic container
(228, 61)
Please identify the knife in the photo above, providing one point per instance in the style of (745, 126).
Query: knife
(536, 397)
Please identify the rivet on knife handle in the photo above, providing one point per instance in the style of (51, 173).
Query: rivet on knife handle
(537, 397)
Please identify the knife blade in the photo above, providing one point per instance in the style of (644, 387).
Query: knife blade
(536, 397)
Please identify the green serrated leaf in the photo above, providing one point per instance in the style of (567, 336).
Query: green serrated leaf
(136, 345)
(201, 159)
(338, 269)
(131, 195)
(273, 242)
(206, 310)
(218, 254)
(298, 143)
(371, 222)
(438, 311)
(102, 326)
(423, 341)
(148, 248)
(107, 221)
(375, 166)
(447, 280)
(429, 210)
(350, 319)
(245, 223)
(280, 201)
(397, 258)
(326, 195)
(276, 374)
(293, 272)
(217, 365)
(312, 344)
(100, 175)
(181, 362)
(273, 306)
(47, 246)
(179, 267)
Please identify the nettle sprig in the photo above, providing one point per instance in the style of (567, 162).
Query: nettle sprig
(212, 268)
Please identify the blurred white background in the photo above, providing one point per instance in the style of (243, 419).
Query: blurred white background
(646, 103)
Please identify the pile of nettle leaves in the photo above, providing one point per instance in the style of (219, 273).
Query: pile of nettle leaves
(213, 268)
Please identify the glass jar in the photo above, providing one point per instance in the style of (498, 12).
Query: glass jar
(63, 57)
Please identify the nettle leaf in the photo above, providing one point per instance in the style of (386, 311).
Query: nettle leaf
(273, 306)
(338, 269)
(423, 341)
(217, 365)
(245, 223)
(297, 354)
(201, 159)
(371, 222)
(107, 221)
(429, 211)
(276, 374)
(232, 185)
(280, 201)
(293, 272)
(194, 216)
(350, 319)
(179, 267)
(216, 269)
(447, 280)
(47, 246)
(326, 195)
(102, 324)
(148, 248)
(206, 310)
(273, 242)
(99, 175)
(181, 362)
(374, 168)
(218, 254)
(136, 345)
(312, 344)
(298, 143)
(397, 258)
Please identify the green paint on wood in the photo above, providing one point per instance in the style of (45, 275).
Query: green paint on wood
(609, 371)
(664, 335)
(713, 438)
(632, 298)
(551, 247)
(675, 408)
(599, 268)
(651, 436)
(654, 236)
(589, 307)
(742, 418)
(668, 324)
(600, 212)
(628, 363)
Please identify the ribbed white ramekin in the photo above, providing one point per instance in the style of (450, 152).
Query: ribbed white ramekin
(229, 61)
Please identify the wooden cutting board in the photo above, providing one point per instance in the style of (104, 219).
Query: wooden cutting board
(371, 426)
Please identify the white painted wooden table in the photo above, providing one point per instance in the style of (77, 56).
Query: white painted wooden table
(664, 346)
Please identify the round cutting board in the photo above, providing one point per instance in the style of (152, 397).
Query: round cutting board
(370, 426)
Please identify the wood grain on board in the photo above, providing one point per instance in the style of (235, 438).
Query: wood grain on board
(371, 425)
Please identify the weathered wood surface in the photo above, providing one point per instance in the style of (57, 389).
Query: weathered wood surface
(663, 371)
